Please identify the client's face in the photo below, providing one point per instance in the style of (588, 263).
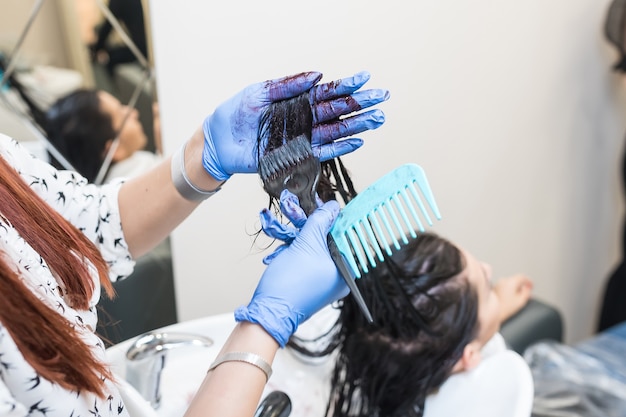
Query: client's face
(131, 136)
(479, 276)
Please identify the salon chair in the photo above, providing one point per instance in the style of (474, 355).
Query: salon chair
(145, 300)
(537, 321)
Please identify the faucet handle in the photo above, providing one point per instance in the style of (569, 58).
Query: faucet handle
(145, 360)
(150, 344)
(276, 404)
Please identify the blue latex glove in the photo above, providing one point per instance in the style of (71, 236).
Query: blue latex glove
(230, 133)
(274, 228)
(299, 282)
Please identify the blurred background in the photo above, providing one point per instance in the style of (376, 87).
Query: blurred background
(510, 107)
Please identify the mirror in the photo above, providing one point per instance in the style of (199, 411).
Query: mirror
(47, 54)
(52, 48)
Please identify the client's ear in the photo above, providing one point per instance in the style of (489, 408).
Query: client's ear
(470, 359)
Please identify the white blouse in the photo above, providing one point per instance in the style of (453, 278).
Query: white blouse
(94, 211)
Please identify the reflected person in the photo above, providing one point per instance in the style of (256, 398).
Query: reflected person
(91, 128)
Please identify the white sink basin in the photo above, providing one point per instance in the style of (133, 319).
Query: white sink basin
(186, 367)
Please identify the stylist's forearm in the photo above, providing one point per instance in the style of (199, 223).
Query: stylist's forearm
(235, 388)
(150, 206)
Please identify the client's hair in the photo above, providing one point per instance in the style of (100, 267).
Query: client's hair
(424, 315)
(614, 31)
(286, 120)
(80, 130)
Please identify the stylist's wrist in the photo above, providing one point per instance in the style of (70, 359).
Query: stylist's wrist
(252, 337)
(193, 164)
(278, 319)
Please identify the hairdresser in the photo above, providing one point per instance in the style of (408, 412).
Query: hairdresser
(54, 262)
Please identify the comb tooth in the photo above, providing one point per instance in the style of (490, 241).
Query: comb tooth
(273, 165)
(342, 242)
(422, 183)
(268, 164)
(280, 160)
(396, 222)
(364, 242)
(302, 147)
(417, 198)
(402, 212)
(263, 169)
(355, 250)
(291, 158)
(284, 162)
(380, 233)
(301, 150)
(385, 218)
(409, 204)
(284, 157)
(367, 224)
(270, 169)
(297, 156)
(275, 156)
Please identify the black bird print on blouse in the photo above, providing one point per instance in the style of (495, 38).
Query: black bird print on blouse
(94, 211)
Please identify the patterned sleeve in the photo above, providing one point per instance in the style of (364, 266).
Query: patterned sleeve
(92, 209)
(9, 406)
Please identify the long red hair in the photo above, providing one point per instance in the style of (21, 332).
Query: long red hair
(46, 339)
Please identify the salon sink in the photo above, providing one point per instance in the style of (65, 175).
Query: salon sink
(505, 377)
(185, 368)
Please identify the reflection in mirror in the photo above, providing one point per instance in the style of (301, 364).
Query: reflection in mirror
(71, 99)
(96, 112)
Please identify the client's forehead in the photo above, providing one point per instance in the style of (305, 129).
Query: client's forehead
(108, 102)
(478, 274)
(475, 273)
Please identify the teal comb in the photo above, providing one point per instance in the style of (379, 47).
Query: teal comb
(382, 217)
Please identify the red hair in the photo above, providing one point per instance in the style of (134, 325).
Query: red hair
(47, 340)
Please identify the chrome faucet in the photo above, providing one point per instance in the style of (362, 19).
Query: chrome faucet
(145, 360)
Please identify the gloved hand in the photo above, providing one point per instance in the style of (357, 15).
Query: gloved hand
(230, 133)
(299, 282)
(272, 227)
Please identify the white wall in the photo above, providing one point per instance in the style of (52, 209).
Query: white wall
(509, 106)
(44, 43)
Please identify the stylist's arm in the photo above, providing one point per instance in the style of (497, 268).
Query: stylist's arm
(226, 144)
(302, 278)
(299, 282)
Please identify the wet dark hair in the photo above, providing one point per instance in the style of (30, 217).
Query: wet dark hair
(614, 31)
(285, 120)
(424, 316)
(79, 129)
